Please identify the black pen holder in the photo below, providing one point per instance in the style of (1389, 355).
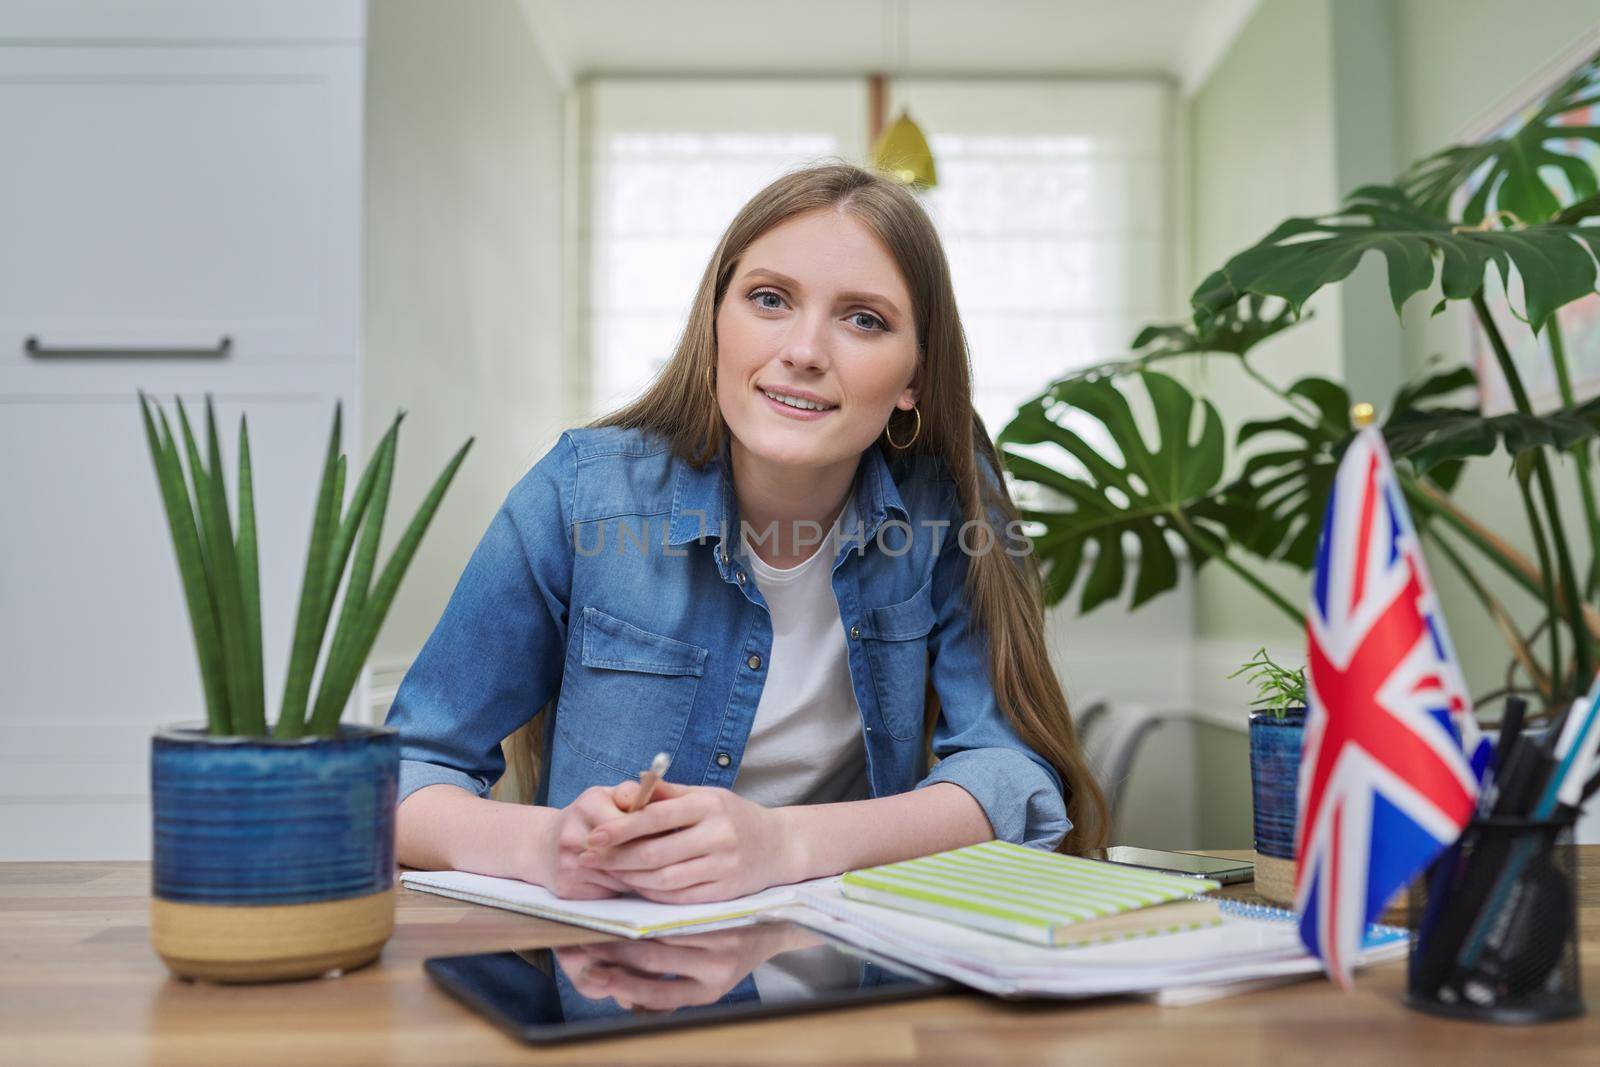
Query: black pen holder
(1494, 925)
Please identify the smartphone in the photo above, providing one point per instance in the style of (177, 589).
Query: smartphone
(1219, 870)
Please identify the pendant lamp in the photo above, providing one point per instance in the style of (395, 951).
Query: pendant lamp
(901, 151)
(903, 154)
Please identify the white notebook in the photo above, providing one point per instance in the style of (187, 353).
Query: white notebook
(627, 916)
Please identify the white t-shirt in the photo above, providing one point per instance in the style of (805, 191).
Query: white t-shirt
(805, 744)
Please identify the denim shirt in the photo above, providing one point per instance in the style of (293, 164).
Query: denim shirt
(613, 579)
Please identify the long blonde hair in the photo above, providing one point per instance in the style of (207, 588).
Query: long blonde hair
(1006, 596)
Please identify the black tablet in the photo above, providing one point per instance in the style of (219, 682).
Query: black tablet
(608, 988)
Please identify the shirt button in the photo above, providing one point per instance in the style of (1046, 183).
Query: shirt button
(740, 576)
(754, 662)
(855, 633)
(723, 759)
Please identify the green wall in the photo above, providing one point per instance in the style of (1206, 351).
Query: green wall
(1222, 776)
(1462, 56)
(1260, 140)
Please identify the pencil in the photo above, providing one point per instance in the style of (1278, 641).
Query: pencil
(648, 780)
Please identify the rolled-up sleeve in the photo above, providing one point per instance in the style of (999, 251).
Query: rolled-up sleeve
(1019, 794)
(977, 747)
(495, 657)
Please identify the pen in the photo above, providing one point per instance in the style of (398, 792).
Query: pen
(648, 780)
(1510, 728)
(1505, 753)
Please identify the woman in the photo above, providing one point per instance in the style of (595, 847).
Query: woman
(642, 582)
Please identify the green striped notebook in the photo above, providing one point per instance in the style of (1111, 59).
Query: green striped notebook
(1025, 893)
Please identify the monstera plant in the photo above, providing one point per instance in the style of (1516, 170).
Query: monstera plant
(1529, 202)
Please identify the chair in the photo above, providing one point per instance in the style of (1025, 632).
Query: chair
(1112, 740)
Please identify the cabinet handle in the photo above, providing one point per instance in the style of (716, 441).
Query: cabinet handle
(38, 350)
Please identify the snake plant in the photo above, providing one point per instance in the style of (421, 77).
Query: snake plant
(221, 579)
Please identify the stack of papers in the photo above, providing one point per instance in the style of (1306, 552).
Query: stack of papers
(1243, 947)
(1250, 944)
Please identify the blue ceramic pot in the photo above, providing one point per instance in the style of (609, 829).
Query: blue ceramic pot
(273, 858)
(1275, 743)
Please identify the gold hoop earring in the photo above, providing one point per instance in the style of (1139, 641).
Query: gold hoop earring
(914, 432)
(711, 386)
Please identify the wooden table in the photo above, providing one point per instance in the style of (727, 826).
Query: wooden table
(79, 984)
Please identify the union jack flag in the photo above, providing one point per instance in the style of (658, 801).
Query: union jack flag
(1393, 758)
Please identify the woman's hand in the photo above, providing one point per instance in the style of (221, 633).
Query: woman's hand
(691, 845)
(556, 865)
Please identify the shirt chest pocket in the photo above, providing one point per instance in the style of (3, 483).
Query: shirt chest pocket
(896, 640)
(628, 693)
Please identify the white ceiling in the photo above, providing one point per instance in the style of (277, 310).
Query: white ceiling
(1177, 39)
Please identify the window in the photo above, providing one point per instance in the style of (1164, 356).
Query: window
(1053, 207)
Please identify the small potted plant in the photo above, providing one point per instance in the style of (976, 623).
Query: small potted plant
(274, 850)
(1277, 731)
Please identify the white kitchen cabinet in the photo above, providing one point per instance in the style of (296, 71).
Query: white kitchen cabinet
(168, 198)
(176, 174)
